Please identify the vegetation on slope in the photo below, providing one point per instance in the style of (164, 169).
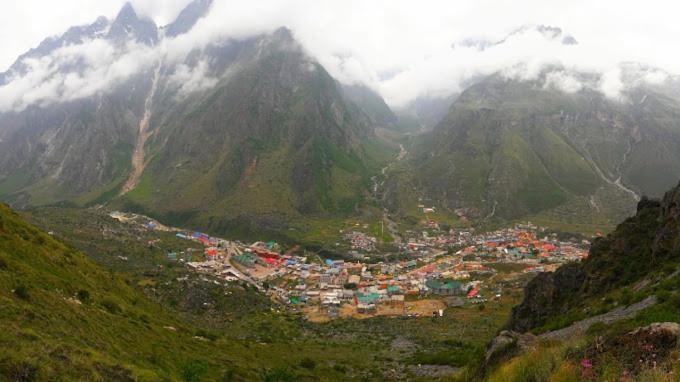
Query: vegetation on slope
(638, 262)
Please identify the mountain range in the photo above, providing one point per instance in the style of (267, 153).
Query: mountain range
(513, 148)
(239, 132)
(252, 133)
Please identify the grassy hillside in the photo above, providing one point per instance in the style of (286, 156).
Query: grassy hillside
(64, 317)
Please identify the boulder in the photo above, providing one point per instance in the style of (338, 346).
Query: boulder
(507, 343)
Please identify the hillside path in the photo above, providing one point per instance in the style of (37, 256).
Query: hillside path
(580, 327)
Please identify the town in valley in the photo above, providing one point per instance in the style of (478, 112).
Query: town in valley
(430, 271)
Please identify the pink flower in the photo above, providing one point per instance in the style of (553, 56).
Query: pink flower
(586, 364)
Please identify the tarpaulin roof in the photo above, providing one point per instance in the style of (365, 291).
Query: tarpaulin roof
(269, 261)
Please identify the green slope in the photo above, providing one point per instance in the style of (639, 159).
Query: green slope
(65, 318)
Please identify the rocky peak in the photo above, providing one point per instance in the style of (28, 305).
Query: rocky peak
(189, 16)
(128, 24)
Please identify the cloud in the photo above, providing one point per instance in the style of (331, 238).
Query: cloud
(74, 72)
(400, 48)
(188, 80)
(563, 81)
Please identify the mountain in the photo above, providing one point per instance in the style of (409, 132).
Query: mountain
(512, 148)
(546, 32)
(371, 104)
(188, 17)
(273, 139)
(128, 26)
(74, 35)
(237, 133)
(425, 112)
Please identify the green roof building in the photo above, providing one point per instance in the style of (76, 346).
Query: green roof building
(446, 288)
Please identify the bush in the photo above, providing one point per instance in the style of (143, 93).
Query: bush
(626, 296)
(3, 263)
(111, 306)
(22, 292)
(340, 368)
(308, 363)
(83, 296)
(278, 375)
(16, 370)
(663, 295)
(675, 300)
(194, 371)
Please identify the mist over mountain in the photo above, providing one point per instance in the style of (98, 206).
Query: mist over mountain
(174, 120)
(514, 148)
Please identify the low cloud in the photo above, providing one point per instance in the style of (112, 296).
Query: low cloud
(188, 80)
(74, 72)
(401, 49)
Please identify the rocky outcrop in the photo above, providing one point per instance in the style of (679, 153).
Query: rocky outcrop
(639, 246)
(546, 295)
(506, 344)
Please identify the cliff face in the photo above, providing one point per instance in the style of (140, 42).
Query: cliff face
(639, 246)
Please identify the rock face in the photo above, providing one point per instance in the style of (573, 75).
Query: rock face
(638, 246)
(545, 295)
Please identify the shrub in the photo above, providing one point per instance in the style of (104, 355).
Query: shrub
(229, 375)
(3, 263)
(663, 295)
(675, 300)
(21, 291)
(626, 296)
(111, 305)
(308, 363)
(194, 371)
(278, 375)
(83, 296)
(16, 370)
(340, 368)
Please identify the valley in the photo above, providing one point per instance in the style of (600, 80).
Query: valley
(219, 191)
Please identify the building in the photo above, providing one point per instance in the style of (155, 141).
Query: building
(444, 288)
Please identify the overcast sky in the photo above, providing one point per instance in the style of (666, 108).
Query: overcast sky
(402, 49)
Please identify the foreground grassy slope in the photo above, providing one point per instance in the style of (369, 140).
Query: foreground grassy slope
(65, 317)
